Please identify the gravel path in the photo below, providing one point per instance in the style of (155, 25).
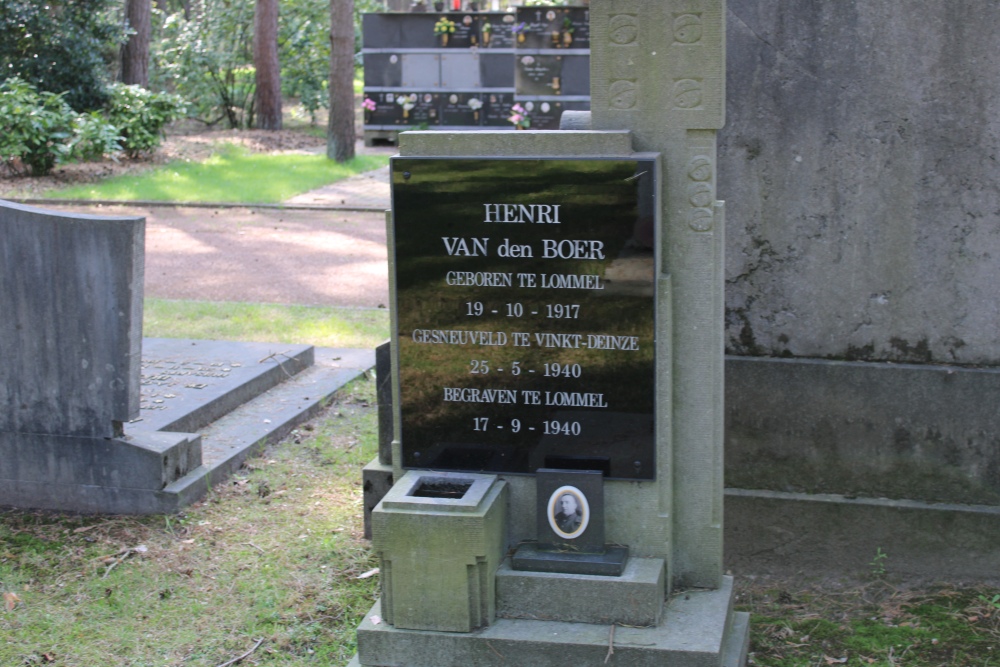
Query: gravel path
(330, 257)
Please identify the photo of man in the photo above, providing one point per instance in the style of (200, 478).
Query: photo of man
(568, 512)
(568, 517)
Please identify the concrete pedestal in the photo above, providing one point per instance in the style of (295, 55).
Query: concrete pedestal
(634, 598)
(698, 629)
(439, 554)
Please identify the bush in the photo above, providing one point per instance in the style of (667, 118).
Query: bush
(208, 59)
(38, 130)
(35, 128)
(140, 115)
(94, 137)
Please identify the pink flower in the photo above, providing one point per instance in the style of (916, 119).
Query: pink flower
(368, 104)
(516, 118)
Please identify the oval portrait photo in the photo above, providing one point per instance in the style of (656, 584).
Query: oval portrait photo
(568, 512)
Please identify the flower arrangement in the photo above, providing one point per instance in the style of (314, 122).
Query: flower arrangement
(519, 117)
(368, 104)
(443, 29)
(475, 104)
(444, 26)
(518, 30)
(567, 32)
(486, 30)
(407, 102)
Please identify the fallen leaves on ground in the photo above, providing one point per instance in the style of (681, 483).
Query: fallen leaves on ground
(10, 601)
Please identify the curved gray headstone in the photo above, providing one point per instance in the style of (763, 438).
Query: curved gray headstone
(70, 321)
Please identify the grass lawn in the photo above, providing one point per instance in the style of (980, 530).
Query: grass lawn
(873, 624)
(233, 175)
(266, 323)
(274, 554)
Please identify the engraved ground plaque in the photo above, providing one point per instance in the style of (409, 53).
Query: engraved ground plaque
(526, 314)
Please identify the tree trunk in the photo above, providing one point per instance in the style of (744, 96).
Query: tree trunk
(135, 52)
(340, 134)
(268, 69)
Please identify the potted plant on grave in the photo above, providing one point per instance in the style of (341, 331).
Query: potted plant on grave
(567, 32)
(519, 117)
(486, 30)
(444, 29)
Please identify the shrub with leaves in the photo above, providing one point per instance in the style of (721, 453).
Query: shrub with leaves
(94, 137)
(39, 130)
(140, 115)
(208, 58)
(36, 129)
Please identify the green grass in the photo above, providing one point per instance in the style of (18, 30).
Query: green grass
(875, 625)
(266, 323)
(233, 174)
(274, 554)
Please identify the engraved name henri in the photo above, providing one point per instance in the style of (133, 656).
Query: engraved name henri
(539, 214)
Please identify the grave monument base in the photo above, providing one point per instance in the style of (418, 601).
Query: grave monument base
(698, 629)
(205, 407)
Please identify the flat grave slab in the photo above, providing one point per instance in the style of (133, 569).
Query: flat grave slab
(188, 384)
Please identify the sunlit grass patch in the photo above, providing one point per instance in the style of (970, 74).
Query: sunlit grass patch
(322, 326)
(233, 174)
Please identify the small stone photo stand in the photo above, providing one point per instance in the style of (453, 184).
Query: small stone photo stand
(570, 517)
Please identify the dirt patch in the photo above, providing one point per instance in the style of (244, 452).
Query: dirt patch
(318, 257)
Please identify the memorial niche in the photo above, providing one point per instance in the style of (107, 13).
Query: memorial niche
(525, 310)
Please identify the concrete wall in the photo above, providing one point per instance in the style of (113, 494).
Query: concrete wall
(859, 166)
(929, 433)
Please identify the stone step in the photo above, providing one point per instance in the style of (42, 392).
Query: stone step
(634, 598)
(266, 419)
(698, 629)
(93, 474)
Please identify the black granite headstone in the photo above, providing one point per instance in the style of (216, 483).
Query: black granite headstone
(525, 314)
(537, 74)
